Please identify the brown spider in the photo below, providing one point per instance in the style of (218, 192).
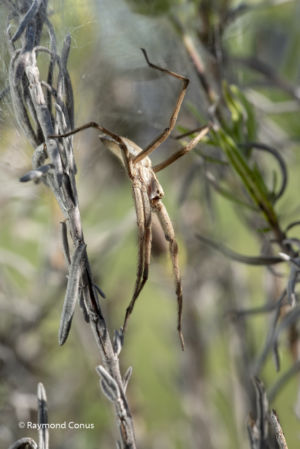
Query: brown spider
(147, 191)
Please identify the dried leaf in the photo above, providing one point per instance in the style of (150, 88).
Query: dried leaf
(127, 377)
(42, 417)
(72, 292)
(108, 384)
(34, 175)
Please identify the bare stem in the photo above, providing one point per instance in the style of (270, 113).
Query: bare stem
(36, 117)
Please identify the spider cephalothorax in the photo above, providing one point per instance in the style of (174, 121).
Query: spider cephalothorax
(147, 191)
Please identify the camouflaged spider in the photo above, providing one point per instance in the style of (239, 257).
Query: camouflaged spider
(147, 191)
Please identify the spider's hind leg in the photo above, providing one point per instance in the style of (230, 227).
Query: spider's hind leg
(167, 226)
(147, 241)
(143, 214)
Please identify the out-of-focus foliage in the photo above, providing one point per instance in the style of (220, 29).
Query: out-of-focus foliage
(152, 7)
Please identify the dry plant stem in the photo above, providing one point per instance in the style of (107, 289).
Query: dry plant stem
(32, 109)
(42, 417)
(280, 438)
(267, 425)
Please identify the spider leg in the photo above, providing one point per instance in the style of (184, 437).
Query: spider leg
(182, 151)
(86, 126)
(167, 226)
(140, 216)
(143, 213)
(147, 240)
(167, 131)
(114, 136)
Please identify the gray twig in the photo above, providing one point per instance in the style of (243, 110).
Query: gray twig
(42, 417)
(38, 119)
(266, 426)
(278, 430)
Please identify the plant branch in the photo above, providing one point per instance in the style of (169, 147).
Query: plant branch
(35, 116)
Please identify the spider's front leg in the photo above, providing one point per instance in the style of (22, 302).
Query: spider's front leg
(163, 216)
(143, 215)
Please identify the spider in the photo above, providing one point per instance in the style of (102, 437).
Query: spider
(147, 191)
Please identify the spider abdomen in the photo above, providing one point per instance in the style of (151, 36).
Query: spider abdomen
(155, 190)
